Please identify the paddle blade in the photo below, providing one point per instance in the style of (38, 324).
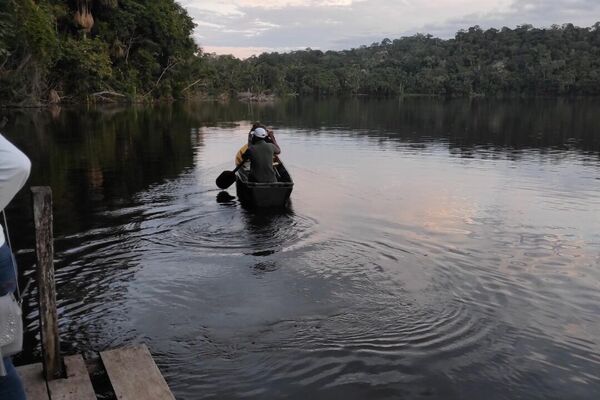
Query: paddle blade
(226, 179)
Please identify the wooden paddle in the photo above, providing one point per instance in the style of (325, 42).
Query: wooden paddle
(227, 178)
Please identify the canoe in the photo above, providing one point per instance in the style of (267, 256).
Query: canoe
(274, 194)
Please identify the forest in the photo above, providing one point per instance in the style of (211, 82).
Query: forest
(73, 51)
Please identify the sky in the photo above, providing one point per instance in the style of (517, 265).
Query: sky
(247, 27)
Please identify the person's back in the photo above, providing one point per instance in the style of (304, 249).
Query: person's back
(260, 152)
(261, 162)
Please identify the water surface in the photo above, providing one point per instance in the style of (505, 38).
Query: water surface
(432, 249)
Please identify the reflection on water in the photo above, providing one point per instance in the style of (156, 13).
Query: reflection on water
(224, 197)
(435, 249)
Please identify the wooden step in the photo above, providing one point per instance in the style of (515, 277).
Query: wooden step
(134, 374)
(77, 385)
(33, 381)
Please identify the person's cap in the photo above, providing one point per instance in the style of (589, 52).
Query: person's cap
(260, 133)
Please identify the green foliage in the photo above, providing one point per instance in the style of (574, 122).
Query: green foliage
(84, 65)
(7, 29)
(143, 49)
(140, 48)
(148, 38)
(28, 46)
(37, 29)
(563, 60)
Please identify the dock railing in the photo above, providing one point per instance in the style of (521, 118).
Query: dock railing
(44, 250)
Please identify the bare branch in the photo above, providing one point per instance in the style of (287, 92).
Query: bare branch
(169, 66)
(131, 41)
(192, 84)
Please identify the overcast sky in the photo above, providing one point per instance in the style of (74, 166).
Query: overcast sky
(246, 27)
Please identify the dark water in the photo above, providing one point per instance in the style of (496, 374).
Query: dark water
(433, 249)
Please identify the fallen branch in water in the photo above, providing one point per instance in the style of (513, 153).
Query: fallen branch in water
(108, 93)
(107, 96)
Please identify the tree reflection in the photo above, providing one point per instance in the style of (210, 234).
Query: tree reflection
(462, 124)
(100, 158)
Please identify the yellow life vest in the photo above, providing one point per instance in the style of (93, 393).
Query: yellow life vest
(240, 153)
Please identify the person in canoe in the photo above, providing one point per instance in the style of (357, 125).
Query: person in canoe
(262, 147)
(239, 157)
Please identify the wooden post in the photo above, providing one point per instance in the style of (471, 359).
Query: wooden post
(44, 248)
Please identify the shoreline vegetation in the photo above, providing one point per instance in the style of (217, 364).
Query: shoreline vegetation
(139, 51)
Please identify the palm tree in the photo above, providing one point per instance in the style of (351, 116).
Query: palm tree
(83, 16)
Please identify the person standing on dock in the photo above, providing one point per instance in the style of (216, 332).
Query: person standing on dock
(14, 171)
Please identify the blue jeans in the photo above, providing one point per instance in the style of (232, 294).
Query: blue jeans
(8, 280)
(11, 387)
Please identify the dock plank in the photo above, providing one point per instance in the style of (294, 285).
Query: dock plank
(134, 374)
(33, 381)
(77, 386)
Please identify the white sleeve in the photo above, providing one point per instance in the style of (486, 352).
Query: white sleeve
(14, 171)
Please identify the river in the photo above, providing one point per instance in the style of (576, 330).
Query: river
(438, 249)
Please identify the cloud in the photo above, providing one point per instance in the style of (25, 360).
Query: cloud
(236, 7)
(214, 8)
(339, 24)
(266, 25)
(249, 30)
(204, 24)
(539, 13)
(278, 4)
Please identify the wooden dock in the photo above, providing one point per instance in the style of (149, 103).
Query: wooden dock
(131, 371)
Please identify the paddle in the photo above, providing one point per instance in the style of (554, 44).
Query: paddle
(227, 178)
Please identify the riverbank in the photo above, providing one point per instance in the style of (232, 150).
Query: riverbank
(116, 99)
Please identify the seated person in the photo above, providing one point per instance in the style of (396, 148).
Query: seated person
(239, 156)
(263, 146)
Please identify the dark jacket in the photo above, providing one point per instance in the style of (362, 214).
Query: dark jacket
(261, 155)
